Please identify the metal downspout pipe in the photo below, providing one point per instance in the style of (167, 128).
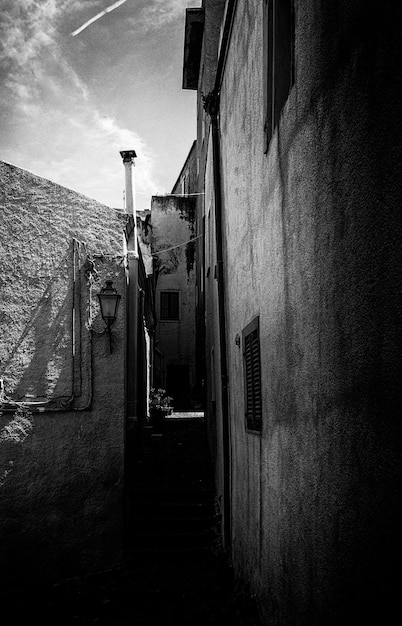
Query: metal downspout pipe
(211, 103)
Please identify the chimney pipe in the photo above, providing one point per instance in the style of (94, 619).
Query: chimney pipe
(128, 157)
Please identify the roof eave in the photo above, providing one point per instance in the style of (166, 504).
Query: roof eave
(193, 34)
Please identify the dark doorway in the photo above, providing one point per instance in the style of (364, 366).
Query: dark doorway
(178, 385)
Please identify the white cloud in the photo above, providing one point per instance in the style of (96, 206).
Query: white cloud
(59, 131)
(27, 27)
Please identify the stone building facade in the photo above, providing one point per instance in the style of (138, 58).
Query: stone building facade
(173, 229)
(298, 148)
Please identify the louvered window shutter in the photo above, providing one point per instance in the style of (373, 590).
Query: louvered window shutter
(252, 376)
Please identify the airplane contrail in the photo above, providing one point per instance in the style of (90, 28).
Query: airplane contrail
(97, 16)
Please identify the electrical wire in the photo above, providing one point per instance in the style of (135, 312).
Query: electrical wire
(178, 246)
(185, 195)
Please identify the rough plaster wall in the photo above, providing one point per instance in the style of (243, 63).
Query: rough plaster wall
(315, 251)
(61, 473)
(173, 222)
(38, 222)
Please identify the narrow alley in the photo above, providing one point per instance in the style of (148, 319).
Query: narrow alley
(200, 319)
(175, 572)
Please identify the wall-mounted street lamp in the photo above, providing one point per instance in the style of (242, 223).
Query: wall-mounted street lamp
(109, 303)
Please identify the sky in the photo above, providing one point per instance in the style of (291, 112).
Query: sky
(81, 80)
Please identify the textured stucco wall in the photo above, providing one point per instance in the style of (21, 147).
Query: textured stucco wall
(61, 471)
(173, 224)
(39, 220)
(313, 233)
(61, 474)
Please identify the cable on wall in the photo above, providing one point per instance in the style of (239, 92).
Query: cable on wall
(178, 246)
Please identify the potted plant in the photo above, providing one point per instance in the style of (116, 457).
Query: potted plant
(159, 406)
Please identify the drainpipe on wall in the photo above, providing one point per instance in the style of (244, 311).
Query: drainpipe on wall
(211, 104)
(128, 157)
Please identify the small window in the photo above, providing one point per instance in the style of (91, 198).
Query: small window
(252, 376)
(279, 60)
(169, 305)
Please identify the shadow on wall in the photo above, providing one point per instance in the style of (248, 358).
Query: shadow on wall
(62, 469)
(40, 363)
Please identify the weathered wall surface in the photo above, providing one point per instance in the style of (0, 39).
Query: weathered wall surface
(61, 469)
(39, 220)
(173, 224)
(61, 481)
(313, 233)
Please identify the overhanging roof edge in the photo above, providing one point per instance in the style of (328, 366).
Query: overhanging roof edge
(193, 34)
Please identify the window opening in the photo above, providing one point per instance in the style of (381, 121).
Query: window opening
(279, 60)
(169, 305)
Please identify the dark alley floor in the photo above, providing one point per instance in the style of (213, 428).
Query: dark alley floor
(175, 573)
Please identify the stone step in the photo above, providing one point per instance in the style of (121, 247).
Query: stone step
(171, 541)
(146, 553)
(194, 496)
(142, 521)
(173, 511)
